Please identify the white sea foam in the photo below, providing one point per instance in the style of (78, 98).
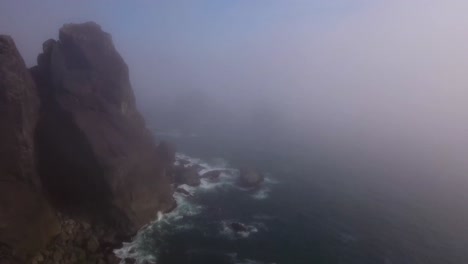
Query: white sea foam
(270, 180)
(172, 222)
(262, 193)
(131, 250)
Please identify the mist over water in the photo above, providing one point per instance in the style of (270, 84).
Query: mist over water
(359, 107)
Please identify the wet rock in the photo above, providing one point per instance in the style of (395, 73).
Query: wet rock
(196, 167)
(174, 206)
(183, 162)
(212, 176)
(187, 176)
(183, 191)
(238, 227)
(250, 178)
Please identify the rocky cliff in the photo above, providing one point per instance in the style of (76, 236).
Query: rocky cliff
(83, 144)
(27, 222)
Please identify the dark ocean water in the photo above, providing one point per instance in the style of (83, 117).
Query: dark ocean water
(308, 211)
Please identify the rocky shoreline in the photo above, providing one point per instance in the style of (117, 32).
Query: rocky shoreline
(79, 171)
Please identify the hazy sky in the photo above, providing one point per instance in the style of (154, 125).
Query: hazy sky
(374, 74)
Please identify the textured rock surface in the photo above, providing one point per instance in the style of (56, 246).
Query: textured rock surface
(78, 242)
(27, 222)
(96, 157)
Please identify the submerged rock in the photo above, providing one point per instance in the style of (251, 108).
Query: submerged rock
(238, 227)
(27, 221)
(250, 178)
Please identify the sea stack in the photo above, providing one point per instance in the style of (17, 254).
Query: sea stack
(96, 157)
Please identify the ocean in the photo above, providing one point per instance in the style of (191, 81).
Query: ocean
(311, 210)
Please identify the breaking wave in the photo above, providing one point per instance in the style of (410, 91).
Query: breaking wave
(146, 245)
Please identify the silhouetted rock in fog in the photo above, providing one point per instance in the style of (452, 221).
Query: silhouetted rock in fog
(96, 156)
(96, 160)
(27, 222)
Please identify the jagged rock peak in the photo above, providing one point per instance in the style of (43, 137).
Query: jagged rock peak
(27, 222)
(92, 135)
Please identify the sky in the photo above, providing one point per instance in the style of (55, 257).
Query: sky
(378, 76)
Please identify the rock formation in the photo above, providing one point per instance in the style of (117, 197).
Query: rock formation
(212, 176)
(186, 175)
(27, 222)
(250, 178)
(79, 149)
(96, 157)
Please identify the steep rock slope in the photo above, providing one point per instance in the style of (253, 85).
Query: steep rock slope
(27, 222)
(96, 158)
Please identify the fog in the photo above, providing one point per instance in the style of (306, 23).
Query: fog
(384, 81)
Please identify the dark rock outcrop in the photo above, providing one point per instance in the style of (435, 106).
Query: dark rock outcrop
(27, 221)
(186, 175)
(212, 176)
(96, 158)
(79, 242)
(250, 178)
(238, 227)
(196, 167)
(167, 152)
(183, 162)
(79, 171)
(182, 191)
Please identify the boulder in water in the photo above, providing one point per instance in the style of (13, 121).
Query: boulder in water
(187, 176)
(250, 178)
(182, 191)
(196, 167)
(212, 176)
(238, 227)
(183, 162)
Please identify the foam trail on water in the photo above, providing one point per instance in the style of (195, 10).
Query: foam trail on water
(146, 245)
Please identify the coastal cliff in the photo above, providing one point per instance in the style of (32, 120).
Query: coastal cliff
(74, 149)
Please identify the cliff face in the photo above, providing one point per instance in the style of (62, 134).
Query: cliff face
(27, 222)
(96, 158)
